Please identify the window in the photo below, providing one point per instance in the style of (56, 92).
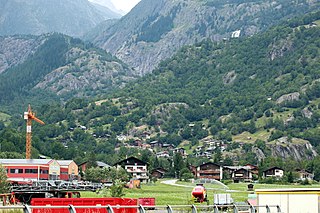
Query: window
(16, 171)
(31, 171)
(44, 171)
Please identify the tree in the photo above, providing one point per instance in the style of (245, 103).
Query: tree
(178, 164)
(91, 160)
(185, 174)
(4, 185)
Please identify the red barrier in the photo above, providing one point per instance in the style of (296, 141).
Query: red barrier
(84, 202)
(147, 201)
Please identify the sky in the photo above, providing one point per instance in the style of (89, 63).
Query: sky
(125, 5)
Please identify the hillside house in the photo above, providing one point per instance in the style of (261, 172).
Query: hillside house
(180, 150)
(209, 171)
(163, 154)
(158, 173)
(154, 144)
(305, 175)
(254, 169)
(101, 165)
(137, 168)
(238, 173)
(273, 172)
(242, 175)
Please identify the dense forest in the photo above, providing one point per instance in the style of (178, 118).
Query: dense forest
(266, 86)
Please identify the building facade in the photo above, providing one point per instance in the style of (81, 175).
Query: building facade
(25, 170)
(137, 168)
(273, 172)
(209, 171)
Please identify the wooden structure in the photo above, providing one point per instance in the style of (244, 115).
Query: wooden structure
(209, 171)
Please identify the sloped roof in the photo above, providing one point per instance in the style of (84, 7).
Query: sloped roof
(64, 162)
(209, 163)
(25, 161)
(102, 164)
(130, 159)
(273, 168)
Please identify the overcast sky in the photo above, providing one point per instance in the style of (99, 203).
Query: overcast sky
(125, 5)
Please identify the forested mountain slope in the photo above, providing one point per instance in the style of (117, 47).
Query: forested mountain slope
(155, 29)
(71, 17)
(245, 100)
(54, 66)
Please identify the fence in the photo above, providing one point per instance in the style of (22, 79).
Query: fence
(149, 209)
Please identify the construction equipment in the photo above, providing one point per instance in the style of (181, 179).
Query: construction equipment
(29, 116)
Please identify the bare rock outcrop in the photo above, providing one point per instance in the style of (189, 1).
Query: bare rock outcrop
(16, 49)
(288, 97)
(297, 149)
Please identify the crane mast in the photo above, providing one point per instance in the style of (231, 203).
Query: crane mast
(29, 116)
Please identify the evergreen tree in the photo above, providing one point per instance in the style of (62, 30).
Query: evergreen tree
(4, 185)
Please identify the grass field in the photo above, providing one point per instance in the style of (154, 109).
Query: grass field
(179, 195)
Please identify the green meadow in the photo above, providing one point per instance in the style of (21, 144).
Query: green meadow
(181, 195)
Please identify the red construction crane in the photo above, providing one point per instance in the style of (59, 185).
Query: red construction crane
(29, 116)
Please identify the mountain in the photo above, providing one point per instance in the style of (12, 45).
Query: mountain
(108, 4)
(54, 66)
(71, 17)
(155, 29)
(108, 13)
(244, 100)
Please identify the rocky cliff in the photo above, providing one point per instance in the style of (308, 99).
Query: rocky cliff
(71, 17)
(155, 29)
(16, 49)
(57, 64)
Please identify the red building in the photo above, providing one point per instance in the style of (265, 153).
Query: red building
(24, 170)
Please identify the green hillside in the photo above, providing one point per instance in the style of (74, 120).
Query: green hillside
(250, 97)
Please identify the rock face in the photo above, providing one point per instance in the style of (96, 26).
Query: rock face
(155, 29)
(283, 148)
(87, 71)
(288, 97)
(71, 17)
(82, 70)
(14, 50)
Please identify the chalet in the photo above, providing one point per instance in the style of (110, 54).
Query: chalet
(254, 169)
(180, 150)
(242, 175)
(137, 168)
(154, 144)
(168, 146)
(83, 166)
(146, 135)
(158, 173)
(305, 175)
(273, 172)
(164, 154)
(209, 171)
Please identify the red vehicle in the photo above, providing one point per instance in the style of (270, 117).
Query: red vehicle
(199, 194)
